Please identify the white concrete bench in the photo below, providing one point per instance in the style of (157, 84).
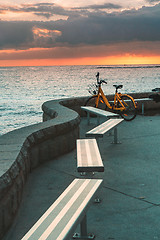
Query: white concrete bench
(100, 130)
(61, 219)
(143, 100)
(98, 112)
(88, 156)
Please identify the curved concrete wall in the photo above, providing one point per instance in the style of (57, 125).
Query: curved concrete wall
(150, 107)
(25, 148)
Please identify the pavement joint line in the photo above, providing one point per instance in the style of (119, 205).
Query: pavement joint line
(131, 196)
(112, 189)
(134, 210)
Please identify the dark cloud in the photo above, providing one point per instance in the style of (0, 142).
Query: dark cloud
(140, 25)
(46, 8)
(152, 1)
(41, 9)
(89, 28)
(44, 14)
(101, 6)
(15, 34)
(132, 48)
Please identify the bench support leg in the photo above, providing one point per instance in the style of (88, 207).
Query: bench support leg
(83, 226)
(98, 120)
(83, 231)
(115, 136)
(88, 118)
(142, 108)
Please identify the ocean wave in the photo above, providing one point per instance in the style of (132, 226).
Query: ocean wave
(6, 109)
(33, 113)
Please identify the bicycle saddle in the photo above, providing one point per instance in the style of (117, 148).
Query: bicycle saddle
(118, 86)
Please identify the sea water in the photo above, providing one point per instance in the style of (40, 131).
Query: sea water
(24, 89)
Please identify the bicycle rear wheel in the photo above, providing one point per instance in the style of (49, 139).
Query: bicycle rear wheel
(130, 112)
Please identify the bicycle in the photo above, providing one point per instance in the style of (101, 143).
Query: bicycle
(122, 104)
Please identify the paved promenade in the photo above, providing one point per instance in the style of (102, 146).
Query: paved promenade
(130, 194)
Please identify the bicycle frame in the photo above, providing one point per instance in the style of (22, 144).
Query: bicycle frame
(117, 99)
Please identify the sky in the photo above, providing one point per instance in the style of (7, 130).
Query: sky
(69, 32)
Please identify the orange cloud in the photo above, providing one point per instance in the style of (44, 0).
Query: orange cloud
(42, 32)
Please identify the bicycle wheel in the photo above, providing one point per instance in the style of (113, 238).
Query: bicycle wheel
(130, 112)
(91, 101)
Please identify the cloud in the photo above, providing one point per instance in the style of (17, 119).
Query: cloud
(104, 28)
(152, 1)
(82, 28)
(44, 36)
(40, 9)
(132, 48)
(140, 25)
(15, 34)
(101, 6)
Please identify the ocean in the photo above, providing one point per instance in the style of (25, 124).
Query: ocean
(24, 89)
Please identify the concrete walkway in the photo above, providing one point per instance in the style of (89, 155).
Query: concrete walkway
(130, 206)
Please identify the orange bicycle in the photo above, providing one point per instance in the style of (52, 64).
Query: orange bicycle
(122, 104)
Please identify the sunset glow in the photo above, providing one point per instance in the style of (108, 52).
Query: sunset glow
(113, 60)
(69, 33)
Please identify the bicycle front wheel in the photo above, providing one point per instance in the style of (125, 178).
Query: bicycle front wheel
(91, 101)
(130, 112)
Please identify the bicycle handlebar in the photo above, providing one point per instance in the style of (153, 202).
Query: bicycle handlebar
(101, 81)
(97, 76)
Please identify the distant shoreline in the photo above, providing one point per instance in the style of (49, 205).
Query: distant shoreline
(94, 65)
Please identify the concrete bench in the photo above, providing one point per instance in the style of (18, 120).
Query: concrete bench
(100, 130)
(143, 100)
(88, 156)
(61, 219)
(98, 112)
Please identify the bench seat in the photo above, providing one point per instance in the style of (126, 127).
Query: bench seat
(141, 100)
(98, 112)
(88, 156)
(61, 219)
(100, 130)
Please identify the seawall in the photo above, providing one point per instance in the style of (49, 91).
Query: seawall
(24, 149)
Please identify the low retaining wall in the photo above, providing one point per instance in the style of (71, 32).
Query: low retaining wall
(24, 149)
(150, 107)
